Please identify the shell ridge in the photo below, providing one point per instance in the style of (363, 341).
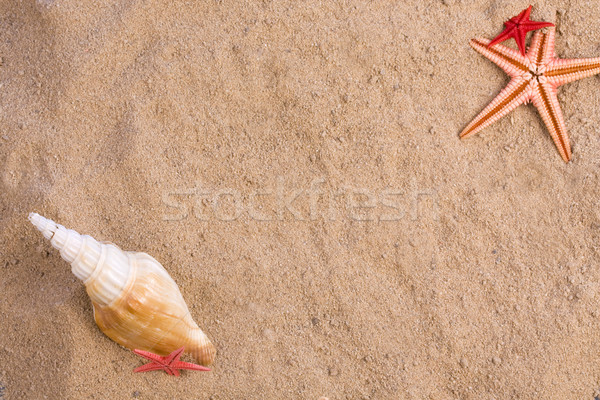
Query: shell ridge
(206, 351)
(99, 264)
(79, 254)
(50, 226)
(164, 335)
(133, 270)
(68, 238)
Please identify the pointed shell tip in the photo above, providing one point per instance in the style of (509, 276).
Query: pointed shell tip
(37, 220)
(34, 218)
(44, 225)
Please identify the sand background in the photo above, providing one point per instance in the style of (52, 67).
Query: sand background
(177, 128)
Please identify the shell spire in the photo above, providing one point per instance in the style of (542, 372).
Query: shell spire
(136, 302)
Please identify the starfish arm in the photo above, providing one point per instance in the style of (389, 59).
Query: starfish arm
(545, 100)
(561, 71)
(535, 25)
(514, 94)
(187, 365)
(524, 15)
(547, 47)
(149, 356)
(149, 367)
(508, 59)
(520, 39)
(507, 33)
(534, 47)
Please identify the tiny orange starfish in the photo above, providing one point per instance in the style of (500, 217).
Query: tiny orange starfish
(535, 77)
(170, 364)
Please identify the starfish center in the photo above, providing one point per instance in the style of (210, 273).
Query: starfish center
(537, 70)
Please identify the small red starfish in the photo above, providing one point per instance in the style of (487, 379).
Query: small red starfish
(517, 28)
(170, 364)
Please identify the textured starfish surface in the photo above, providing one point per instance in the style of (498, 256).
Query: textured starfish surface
(517, 28)
(535, 78)
(170, 363)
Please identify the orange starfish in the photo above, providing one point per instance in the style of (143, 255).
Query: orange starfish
(535, 78)
(170, 364)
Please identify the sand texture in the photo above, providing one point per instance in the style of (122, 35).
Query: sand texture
(296, 167)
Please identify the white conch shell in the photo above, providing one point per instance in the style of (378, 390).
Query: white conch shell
(136, 303)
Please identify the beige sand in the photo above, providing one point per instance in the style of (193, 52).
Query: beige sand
(411, 265)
